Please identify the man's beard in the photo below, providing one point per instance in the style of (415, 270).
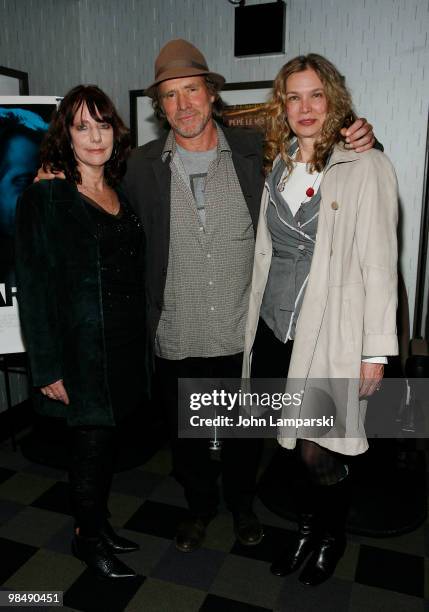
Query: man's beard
(194, 131)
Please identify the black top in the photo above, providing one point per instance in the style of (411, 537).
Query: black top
(122, 272)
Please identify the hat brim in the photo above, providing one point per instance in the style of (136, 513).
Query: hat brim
(177, 73)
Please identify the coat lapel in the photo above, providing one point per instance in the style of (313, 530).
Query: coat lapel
(247, 160)
(340, 155)
(245, 169)
(162, 173)
(78, 210)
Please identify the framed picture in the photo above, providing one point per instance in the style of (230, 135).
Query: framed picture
(13, 82)
(144, 125)
(23, 124)
(245, 103)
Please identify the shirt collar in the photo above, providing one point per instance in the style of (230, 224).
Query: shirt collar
(170, 144)
(222, 143)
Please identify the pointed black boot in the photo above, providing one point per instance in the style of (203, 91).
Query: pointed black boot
(116, 544)
(99, 559)
(334, 502)
(296, 553)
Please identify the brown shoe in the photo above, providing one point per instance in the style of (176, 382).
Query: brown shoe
(190, 534)
(248, 529)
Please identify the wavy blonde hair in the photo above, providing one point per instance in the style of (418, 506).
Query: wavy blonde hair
(340, 112)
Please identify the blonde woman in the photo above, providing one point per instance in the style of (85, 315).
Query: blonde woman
(323, 297)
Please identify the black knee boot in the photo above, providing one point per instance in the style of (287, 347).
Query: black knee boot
(333, 504)
(305, 539)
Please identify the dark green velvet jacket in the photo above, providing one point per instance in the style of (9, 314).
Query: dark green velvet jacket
(59, 297)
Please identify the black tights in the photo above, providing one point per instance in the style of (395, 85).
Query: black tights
(92, 460)
(322, 466)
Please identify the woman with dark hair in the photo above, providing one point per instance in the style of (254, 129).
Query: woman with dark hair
(79, 260)
(323, 299)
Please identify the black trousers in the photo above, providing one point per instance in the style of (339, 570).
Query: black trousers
(270, 357)
(192, 463)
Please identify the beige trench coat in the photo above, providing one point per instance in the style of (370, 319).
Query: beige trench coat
(349, 307)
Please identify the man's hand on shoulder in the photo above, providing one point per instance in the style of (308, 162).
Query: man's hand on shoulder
(47, 175)
(359, 136)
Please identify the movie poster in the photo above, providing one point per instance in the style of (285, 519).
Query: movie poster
(245, 104)
(23, 123)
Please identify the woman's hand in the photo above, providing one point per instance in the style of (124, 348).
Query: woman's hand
(371, 375)
(359, 136)
(56, 391)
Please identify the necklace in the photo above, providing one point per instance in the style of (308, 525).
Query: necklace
(309, 192)
(105, 199)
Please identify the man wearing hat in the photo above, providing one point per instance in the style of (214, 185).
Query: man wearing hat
(197, 190)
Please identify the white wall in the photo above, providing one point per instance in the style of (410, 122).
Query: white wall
(380, 45)
(42, 37)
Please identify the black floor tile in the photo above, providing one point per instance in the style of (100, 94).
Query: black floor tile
(13, 555)
(197, 569)
(97, 595)
(213, 603)
(8, 510)
(136, 482)
(273, 543)
(5, 474)
(387, 569)
(46, 471)
(332, 595)
(157, 519)
(55, 499)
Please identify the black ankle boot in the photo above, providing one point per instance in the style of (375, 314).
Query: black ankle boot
(295, 554)
(322, 563)
(114, 542)
(99, 559)
(333, 502)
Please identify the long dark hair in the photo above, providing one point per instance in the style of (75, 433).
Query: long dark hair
(56, 151)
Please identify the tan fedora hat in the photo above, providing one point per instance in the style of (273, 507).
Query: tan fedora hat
(179, 58)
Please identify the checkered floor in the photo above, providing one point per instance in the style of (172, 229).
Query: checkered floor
(146, 504)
